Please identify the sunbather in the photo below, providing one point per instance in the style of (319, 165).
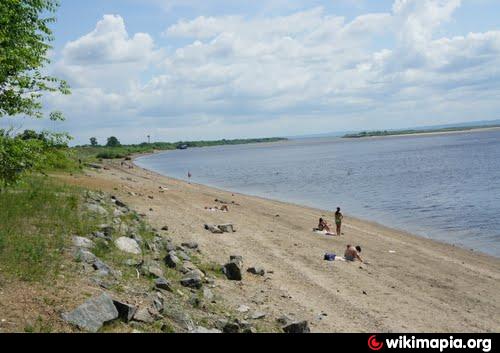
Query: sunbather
(323, 226)
(352, 253)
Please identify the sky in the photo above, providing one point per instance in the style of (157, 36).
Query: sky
(199, 69)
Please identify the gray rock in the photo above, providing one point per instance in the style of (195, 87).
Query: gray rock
(132, 262)
(100, 266)
(94, 208)
(257, 316)
(101, 235)
(162, 283)
(213, 229)
(297, 327)
(259, 271)
(84, 243)
(85, 256)
(284, 320)
(192, 280)
(226, 228)
(190, 245)
(153, 270)
(180, 317)
(231, 327)
(237, 258)
(232, 270)
(94, 313)
(169, 246)
(183, 256)
(118, 202)
(201, 329)
(128, 245)
(125, 311)
(171, 260)
(143, 315)
(208, 294)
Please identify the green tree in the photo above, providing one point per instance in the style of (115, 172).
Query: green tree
(113, 142)
(93, 141)
(24, 41)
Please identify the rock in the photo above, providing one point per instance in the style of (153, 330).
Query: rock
(128, 245)
(165, 228)
(195, 301)
(101, 235)
(284, 320)
(182, 255)
(231, 327)
(232, 270)
(213, 229)
(153, 270)
(84, 243)
(171, 260)
(192, 280)
(237, 258)
(259, 271)
(190, 245)
(143, 315)
(169, 246)
(180, 317)
(125, 311)
(118, 202)
(93, 166)
(257, 316)
(243, 309)
(208, 294)
(201, 329)
(297, 327)
(132, 262)
(100, 266)
(85, 256)
(226, 228)
(92, 207)
(162, 283)
(94, 313)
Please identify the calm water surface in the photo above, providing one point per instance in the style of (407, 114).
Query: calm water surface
(445, 187)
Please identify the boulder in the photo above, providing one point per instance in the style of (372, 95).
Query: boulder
(192, 279)
(259, 271)
(179, 316)
(183, 256)
(85, 256)
(208, 294)
(226, 228)
(102, 236)
(100, 266)
(125, 311)
(94, 208)
(171, 260)
(297, 327)
(232, 270)
(91, 315)
(84, 243)
(201, 329)
(257, 316)
(162, 283)
(214, 229)
(152, 269)
(164, 228)
(143, 315)
(128, 245)
(190, 245)
(118, 202)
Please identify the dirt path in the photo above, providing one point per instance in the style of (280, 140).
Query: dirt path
(422, 286)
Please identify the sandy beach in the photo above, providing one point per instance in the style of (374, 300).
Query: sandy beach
(409, 283)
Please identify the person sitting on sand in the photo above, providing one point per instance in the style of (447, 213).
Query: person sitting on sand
(322, 225)
(352, 253)
(338, 221)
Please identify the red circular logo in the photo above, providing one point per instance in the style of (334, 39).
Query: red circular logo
(373, 344)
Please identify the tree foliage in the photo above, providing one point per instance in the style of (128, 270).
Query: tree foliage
(93, 141)
(113, 142)
(24, 42)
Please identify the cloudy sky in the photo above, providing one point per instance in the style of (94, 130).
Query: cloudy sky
(199, 69)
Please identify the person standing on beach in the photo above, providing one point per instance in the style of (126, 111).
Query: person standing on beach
(338, 221)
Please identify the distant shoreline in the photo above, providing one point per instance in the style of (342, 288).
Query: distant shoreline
(445, 131)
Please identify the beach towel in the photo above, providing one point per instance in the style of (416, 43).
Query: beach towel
(323, 232)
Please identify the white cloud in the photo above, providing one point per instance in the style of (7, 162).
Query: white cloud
(307, 68)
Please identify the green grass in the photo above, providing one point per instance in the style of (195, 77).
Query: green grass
(37, 219)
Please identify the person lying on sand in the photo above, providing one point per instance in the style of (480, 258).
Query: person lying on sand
(352, 253)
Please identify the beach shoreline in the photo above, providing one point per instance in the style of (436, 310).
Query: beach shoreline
(410, 283)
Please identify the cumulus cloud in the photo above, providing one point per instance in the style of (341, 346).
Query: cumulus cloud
(309, 68)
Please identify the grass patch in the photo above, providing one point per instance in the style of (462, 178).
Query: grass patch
(37, 219)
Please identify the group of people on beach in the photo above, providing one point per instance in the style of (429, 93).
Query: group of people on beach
(352, 253)
(323, 226)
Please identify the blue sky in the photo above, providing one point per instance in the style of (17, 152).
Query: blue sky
(192, 69)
